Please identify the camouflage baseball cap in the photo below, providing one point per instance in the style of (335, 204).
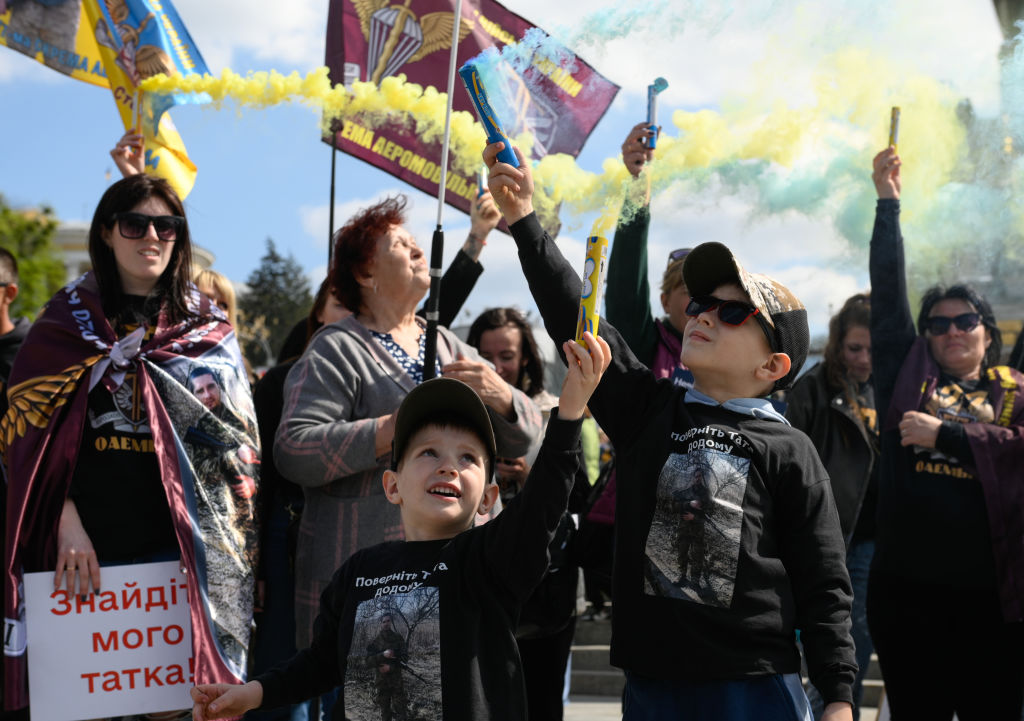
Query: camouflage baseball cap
(709, 265)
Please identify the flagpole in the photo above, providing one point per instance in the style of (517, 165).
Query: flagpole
(437, 243)
(330, 221)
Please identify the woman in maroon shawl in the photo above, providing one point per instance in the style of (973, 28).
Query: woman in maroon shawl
(946, 589)
(111, 458)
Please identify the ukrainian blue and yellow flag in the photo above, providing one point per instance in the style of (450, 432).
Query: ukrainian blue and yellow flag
(115, 44)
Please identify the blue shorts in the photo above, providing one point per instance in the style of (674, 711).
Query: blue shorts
(765, 698)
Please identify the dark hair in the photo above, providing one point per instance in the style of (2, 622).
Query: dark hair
(447, 420)
(319, 303)
(198, 371)
(302, 332)
(8, 267)
(531, 375)
(173, 286)
(354, 244)
(855, 313)
(977, 301)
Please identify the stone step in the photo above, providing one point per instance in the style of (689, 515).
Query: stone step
(590, 658)
(593, 674)
(597, 683)
(872, 692)
(593, 633)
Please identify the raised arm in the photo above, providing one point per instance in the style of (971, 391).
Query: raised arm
(628, 293)
(520, 536)
(461, 277)
(892, 325)
(555, 287)
(129, 154)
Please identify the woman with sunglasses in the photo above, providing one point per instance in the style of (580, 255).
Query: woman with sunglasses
(111, 458)
(946, 592)
(656, 342)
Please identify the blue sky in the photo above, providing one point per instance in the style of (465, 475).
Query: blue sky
(265, 173)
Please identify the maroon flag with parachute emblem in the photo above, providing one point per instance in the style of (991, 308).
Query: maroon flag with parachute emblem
(560, 103)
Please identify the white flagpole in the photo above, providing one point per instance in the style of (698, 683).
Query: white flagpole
(437, 244)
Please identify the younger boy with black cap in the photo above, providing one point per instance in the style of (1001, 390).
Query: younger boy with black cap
(449, 595)
(727, 537)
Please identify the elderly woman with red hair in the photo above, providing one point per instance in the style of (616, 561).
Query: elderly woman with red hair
(342, 396)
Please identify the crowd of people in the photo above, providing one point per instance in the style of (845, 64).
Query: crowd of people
(411, 548)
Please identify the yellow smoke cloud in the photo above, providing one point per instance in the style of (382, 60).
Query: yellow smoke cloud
(829, 140)
(845, 122)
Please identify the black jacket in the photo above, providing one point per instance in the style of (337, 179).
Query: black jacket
(778, 560)
(844, 445)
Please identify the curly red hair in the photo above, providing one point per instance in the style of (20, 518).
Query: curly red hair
(354, 245)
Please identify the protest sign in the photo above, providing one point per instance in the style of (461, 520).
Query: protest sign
(126, 650)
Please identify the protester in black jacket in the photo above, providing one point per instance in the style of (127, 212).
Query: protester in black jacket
(946, 592)
(834, 404)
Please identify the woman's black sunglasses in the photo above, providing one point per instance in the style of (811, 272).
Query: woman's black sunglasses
(730, 312)
(939, 324)
(134, 225)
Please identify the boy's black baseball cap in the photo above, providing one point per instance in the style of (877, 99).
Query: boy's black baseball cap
(437, 398)
(709, 265)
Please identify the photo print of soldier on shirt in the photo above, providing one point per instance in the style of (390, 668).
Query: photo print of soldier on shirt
(694, 542)
(394, 662)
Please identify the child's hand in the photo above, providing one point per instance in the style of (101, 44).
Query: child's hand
(512, 188)
(225, 700)
(585, 371)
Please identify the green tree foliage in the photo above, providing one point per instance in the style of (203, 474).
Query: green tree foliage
(29, 234)
(280, 295)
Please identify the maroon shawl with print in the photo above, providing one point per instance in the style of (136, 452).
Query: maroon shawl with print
(208, 463)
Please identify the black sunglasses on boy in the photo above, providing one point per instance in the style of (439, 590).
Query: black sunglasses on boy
(730, 312)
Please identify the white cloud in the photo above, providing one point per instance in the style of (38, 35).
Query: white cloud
(705, 57)
(286, 35)
(822, 291)
(702, 53)
(421, 215)
(805, 254)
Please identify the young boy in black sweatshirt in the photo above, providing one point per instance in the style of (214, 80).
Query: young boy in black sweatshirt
(727, 537)
(428, 623)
